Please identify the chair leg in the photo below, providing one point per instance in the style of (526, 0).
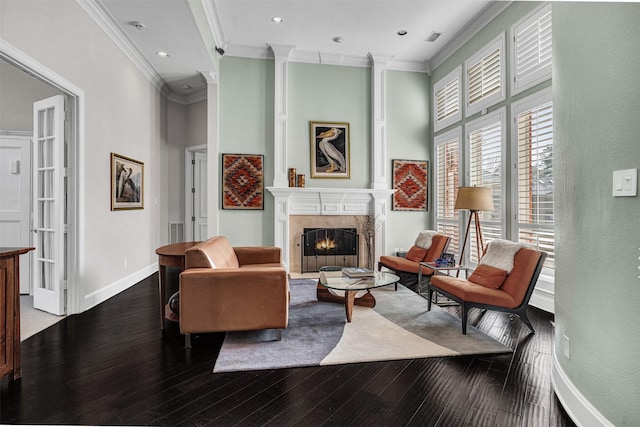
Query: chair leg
(187, 340)
(525, 319)
(465, 311)
(429, 293)
(279, 336)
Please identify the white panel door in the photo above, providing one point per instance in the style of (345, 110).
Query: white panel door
(48, 205)
(199, 196)
(15, 203)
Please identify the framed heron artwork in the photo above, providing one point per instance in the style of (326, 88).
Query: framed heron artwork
(330, 154)
(127, 183)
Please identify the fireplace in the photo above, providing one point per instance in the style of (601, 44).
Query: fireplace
(328, 246)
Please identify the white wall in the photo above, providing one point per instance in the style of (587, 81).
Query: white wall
(124, 114)
(18, 92)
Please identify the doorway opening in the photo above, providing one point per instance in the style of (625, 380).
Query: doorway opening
(67, 202)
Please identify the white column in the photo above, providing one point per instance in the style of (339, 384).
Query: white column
(380, 209)
(213, 151)
(281, 222)
(281, 83)
(379, 121)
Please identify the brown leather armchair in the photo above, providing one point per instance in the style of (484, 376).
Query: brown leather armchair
(494, 289)
(225, 288)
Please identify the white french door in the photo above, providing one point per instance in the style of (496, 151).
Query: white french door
(196, 217)
(48, 205)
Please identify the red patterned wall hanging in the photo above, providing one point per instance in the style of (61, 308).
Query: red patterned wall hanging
(242, 181)
(410, 180)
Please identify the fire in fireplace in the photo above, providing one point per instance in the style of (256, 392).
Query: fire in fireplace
(329, 246)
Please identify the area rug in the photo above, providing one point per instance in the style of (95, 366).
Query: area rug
(398, 327)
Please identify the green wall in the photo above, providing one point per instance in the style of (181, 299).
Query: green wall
(246, 127)
(329, 93)
(597, 106)
(408, 126)
(319, 93)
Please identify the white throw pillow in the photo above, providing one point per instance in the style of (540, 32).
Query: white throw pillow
(500, 254)
(424, 239)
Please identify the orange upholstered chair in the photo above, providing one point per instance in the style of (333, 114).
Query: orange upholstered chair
(436, 244)
(493, 288)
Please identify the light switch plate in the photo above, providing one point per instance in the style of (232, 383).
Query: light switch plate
(625, 183)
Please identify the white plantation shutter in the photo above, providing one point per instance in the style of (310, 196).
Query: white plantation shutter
(485, 76)
(534, 188)
(447, 100)
(447, 177)
(486, 140)
(531, 49)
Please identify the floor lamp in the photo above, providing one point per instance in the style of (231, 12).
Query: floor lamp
(474, 199)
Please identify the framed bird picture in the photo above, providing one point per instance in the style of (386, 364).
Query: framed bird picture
(127, 183)
(330, 154)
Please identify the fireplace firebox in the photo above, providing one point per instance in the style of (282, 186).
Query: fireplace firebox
(329, 246)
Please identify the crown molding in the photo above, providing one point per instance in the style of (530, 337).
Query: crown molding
(322, 58)
(489, 13)
(98, 12)
(215, 23)
(196, 96)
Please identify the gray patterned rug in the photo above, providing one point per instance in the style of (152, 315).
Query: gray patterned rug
(398, 327)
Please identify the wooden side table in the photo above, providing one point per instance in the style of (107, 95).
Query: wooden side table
(169, 256)
(10, 350)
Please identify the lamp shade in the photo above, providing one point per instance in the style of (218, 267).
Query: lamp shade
(474, 199)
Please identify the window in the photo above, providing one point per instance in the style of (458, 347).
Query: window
(446, 94)
(447, 173)
(531, 49)
(533, 174)
(486, 144)
(485, 77)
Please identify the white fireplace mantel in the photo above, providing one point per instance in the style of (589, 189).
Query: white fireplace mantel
(328, 201)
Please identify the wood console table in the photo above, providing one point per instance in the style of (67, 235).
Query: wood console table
(10, 358)
(169, 256)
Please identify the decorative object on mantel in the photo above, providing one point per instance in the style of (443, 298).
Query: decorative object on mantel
(127, 183)
(330, 154)
(242, 181)
(301, 180)
(410, 180)
(292, 177)
(368, 227)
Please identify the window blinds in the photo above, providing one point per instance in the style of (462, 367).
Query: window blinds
(447, 183)
(448, 100)
(484, 76)
(532, 50)
(535, 201)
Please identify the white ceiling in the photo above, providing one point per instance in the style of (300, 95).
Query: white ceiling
(191, 30)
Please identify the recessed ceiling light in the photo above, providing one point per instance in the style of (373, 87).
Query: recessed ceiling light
(402, 32)
(162, 54)
(338, 39)
(433, 36)
(186, 87)
(277, 19)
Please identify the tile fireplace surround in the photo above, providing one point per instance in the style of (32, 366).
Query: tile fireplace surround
(296, 208)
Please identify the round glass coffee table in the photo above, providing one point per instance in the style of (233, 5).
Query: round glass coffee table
(332, 279)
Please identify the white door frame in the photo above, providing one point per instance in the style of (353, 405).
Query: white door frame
(188, 185)
(75, 135)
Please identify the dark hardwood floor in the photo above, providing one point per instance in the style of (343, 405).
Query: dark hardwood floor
(112, 366)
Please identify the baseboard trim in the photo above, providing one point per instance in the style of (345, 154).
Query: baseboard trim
(103, 294)
(544, 300)
(581, 411)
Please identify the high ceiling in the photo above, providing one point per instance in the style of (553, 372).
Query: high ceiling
(191, 30)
